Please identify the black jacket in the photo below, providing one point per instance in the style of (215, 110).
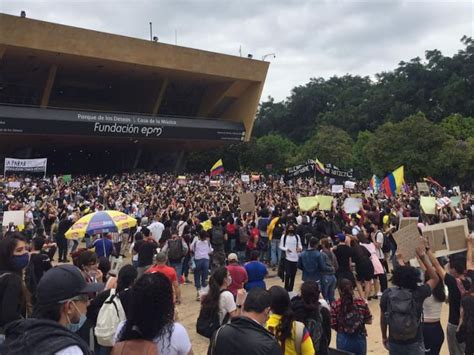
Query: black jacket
(243, 336)
(39, 337)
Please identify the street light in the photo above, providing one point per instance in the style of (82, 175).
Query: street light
(269, 55)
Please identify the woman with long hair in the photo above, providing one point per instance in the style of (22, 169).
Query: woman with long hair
(349, 315)
(219, 299)
(151, 319)
(201, 250)
(292, 335)
(14, 296)
(315, 317)
(364, 269)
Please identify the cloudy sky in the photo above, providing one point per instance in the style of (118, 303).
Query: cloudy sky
(309, 38)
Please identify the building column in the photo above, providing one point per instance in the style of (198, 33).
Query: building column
(156, 106)
(49, 85)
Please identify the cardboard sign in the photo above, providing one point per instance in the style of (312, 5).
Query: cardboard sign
(352, 205)
(245, 179)
(337, 189)
(15, 217)
(428, 204)
(405, 221)
(447, 238)
(247, 202)
(349, 184)
(423, 187)
(407, 240)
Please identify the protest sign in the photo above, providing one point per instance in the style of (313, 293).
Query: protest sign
(14, 184)
(457, 189)
(337, 189)
(456, 233)
(182, 180)
(247, 202)
(308, 203)
(352, 205)
(357, 195)
(449, 236)
(255, 178)
(325, 202)
(455, 200)
(407, 240)
(15, 217)
(423, 187)
(349, 184)
(405, 221)
(215, 183)
(67, 178)
(245, 179)
(428, 204)
(311, 202)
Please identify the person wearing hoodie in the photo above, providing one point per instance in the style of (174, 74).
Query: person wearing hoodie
(60, 309)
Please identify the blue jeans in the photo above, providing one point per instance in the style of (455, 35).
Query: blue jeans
(200, 273)
(179, 269)
(275, 252)
(328, 287)
(406, 349)
(353, 343)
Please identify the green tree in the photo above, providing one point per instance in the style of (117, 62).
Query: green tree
(270, 149)
(458, 126)
(330, 145)
(414, 142)
(360, 162)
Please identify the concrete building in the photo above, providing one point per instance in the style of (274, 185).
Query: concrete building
(82, 97)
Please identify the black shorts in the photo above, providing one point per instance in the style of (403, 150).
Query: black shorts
(346, 275)
(365, 273)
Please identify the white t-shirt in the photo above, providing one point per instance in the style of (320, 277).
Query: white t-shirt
(379, 239)
(290, 243)
(226, 304)
(156, 229)
(201, 248)
(179, 344)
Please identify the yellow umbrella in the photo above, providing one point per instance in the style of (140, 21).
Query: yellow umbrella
(100, 222)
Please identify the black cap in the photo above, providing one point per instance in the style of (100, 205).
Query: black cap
(63, 282)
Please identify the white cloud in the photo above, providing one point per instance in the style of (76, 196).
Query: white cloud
(310, 38)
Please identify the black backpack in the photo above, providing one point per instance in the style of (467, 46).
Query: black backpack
(206, 325)
(402, 316)
(387, 243)
(217, 235)
(315, 329)
(175, 249)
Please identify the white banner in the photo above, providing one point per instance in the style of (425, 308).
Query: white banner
(31, 165)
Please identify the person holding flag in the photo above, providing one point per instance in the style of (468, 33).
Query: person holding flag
(217, 168)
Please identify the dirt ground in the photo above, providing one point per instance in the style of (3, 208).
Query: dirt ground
(189, 309)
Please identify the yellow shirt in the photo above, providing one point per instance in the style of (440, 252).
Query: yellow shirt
(290, 346)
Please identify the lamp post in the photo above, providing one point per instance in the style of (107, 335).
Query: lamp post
(269, 55)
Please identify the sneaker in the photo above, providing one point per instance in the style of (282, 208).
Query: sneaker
(198, 297)
(187, 282)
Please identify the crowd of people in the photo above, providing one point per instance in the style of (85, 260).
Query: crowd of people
(347, 262)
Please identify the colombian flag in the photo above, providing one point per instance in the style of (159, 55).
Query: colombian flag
(217, 168)
(320, 167)
(374, 184)
(393, 182)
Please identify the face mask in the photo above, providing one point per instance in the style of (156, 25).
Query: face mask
(20, 261)
(74, 327)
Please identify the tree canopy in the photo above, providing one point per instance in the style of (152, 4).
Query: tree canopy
(421, 115)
